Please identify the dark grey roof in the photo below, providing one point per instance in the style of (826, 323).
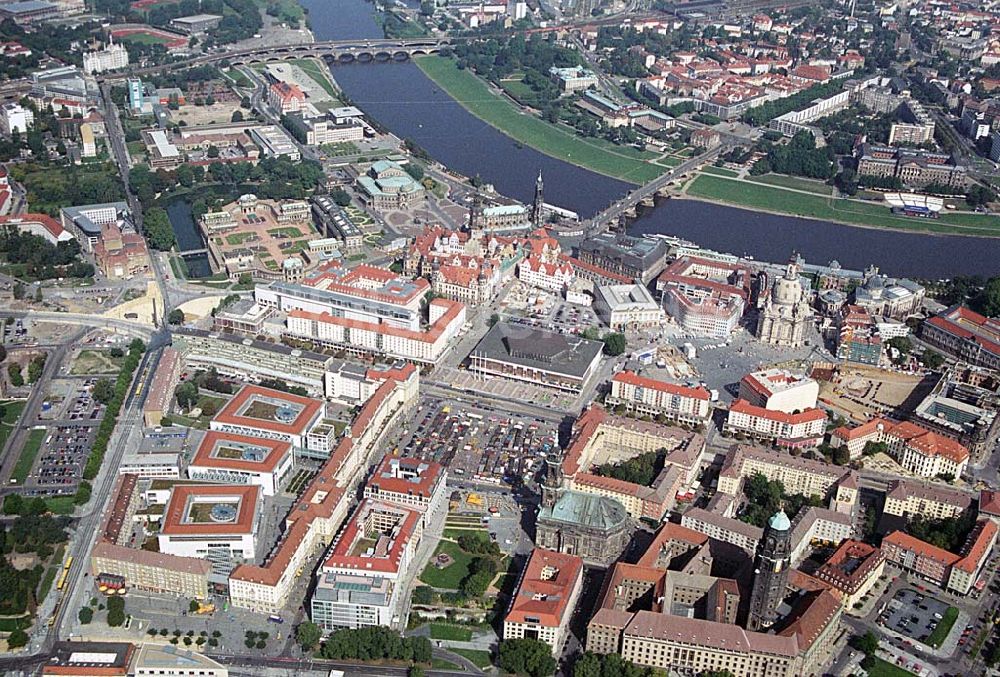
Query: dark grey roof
(636, 252)
(538, 349)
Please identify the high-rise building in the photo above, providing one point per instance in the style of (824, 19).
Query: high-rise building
(771, 573)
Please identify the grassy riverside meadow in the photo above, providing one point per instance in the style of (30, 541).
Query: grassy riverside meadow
(476, 96)
(756, 196)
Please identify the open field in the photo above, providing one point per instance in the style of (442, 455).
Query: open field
(90, 362)
(776, 200)
(449, 577)
(795, 182)
(10, 411)
(28, 454)
(476, 96)
(719, 171)
(318, 72)
(481, 659)
(451, 632)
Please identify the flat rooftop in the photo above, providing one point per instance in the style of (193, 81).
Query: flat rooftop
(239, 452)
(267, 409)
(538, 349)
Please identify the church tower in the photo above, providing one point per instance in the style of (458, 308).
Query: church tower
(536, 207)
(553, 483)
(476, 212)
(770, 574)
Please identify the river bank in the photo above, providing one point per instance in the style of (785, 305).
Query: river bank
(477, 97)
(790, 202)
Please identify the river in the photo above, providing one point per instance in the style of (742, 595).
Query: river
(406, 102)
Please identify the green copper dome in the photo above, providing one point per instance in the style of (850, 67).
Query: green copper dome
(779, 521)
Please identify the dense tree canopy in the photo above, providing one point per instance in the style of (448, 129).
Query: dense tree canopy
(530, 657)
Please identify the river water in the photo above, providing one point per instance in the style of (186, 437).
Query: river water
(401, 98)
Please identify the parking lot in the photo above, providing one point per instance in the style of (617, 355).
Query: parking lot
(545, 310)
(479, 443)
(913, 614)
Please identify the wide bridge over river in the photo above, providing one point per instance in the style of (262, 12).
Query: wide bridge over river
(336, 51)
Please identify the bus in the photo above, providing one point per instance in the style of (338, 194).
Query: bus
(68, 564)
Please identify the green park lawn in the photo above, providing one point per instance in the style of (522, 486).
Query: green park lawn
(477, 97)
(314, 70)
(28, 454)
(719, 171)
(481, 659)
(886, 669)
(943, 628)
(10, 411)
(794, 182)
(144, 39)
(447, 631)
(756, 196)
(449, 577)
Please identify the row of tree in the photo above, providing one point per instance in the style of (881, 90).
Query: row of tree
(765, 497)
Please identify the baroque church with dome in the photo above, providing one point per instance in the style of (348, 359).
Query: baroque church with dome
(786, 312)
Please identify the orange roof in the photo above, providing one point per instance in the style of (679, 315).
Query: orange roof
(904, 541)
(977, 545)
(420, 480)
(177, 521)
(44, 220)
(233, 413)
(929, 443)
(388, 552)
(989, 502)
(667, 533)
(807, 416)
(592, 417)
(213, 439)
(632, 378)
(318, 500)
(547, 583)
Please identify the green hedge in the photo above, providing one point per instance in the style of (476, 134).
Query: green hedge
(122, 385)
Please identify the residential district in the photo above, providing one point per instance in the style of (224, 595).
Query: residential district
(282, 394)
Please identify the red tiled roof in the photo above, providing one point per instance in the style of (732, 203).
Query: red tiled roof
(977, 545)
(174, 518)
(906, 542)
(230, 413)
(277, 450)
(43, 220)
(545, 589)
(382, 479)
(342, 557)
(632, 378)
(744, 407)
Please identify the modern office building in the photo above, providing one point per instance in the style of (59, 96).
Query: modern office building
(362, 580)
(15, 117)
(229, 458)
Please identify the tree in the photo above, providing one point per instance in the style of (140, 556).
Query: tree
(494, 318)
(176, 316)
(17, 639)
(14, 373)
(213, 152)
(3, 353)
(13, 504)
(308, 635)
(159, 232)
(903, 346)
(871, 448)
(86, 615)
(987, 301)
(932, 359)
(116, 611)
(866, 643)
(529, 657)
(422, 594)
(841, 455)
(614, 344)
(186, 394)
(237, 116)
(35, 368)
(103, 391)
(193, 606)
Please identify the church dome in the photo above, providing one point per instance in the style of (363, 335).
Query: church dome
(786, 291)
(779, 521)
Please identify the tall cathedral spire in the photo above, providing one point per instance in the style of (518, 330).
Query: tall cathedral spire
(771, 573)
